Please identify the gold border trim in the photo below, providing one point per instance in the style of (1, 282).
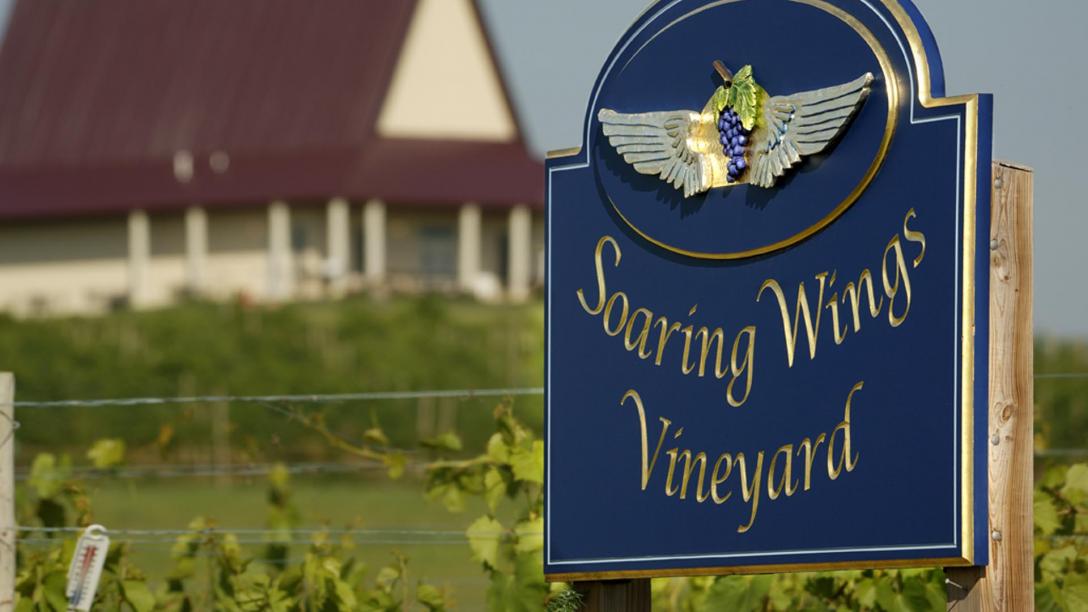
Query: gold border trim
(568, 152)
(892, 86)
(967, 357)
(967, 331)
(757, 569)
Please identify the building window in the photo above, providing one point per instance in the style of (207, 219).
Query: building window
(438, 252)
(358, 249)
(299, 237)
(504, 257)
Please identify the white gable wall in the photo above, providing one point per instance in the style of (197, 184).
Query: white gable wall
(445, 85)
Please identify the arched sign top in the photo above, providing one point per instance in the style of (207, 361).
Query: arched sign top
(758, 212)
(900, 18)
(765, 262)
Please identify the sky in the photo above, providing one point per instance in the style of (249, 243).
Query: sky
(1028, 54)
(5, 12)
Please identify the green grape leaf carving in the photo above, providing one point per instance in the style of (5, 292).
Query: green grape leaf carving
(746, 97)
(720, 99)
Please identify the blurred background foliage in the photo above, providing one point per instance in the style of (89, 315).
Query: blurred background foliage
(302, 348)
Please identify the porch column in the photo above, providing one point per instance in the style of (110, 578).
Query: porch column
(374, 242)
(520, 262)
(280, 269)
(196, 248)
(468, 247)
(338, 239)
(139, 257)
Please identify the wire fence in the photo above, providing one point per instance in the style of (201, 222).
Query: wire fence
(271, 536)
(261, 470)
(301, 536)
(272, 401)
(1062, 376)
(1061, 453)
(37, 536)
(298, 536)
(212, 470)
(365, 396)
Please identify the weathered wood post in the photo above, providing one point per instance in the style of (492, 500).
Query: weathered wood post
(1008, 582)
(615, 595)
(7, 491)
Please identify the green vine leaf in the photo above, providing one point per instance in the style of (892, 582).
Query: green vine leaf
(432, 598)
(497, 449)
(107, 453)
(1076, 484)
(529, 464)
(720, 99)
(387, 578)
(1054, 564)
(47, 475)
(483, 538)
(494, 488)
(449, 495)
(1076, 592)
(448, 441)
(52, 591)
(530, 535)
(1047, 520)
(375, 435)
(395, 464)
(138, 595)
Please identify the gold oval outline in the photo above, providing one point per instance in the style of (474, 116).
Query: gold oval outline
(892, 85)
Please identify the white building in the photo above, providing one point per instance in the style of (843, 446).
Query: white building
(259, 149)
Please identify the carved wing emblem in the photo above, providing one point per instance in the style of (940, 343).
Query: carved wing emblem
(660, 143)
(802, 124)
(742, 135)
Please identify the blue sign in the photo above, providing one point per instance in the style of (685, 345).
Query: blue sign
(767, 299)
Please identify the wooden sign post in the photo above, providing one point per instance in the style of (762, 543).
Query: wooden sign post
(1008, 582)
(615, 595)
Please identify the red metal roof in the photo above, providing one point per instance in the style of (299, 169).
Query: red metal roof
(97, 97)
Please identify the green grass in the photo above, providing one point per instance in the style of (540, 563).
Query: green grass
(333, 502)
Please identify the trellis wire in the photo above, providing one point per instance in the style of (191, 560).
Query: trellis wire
(453, 537)
(239, 470)
(250, 535)
(347, 397)
(255, 530)
(263, 542)
(1061, 375)
(1050, 453)
(284, 399)
(423, 536)
(249, 470)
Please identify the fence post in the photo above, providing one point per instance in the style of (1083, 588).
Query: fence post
(7, 491)
(1008, 583)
